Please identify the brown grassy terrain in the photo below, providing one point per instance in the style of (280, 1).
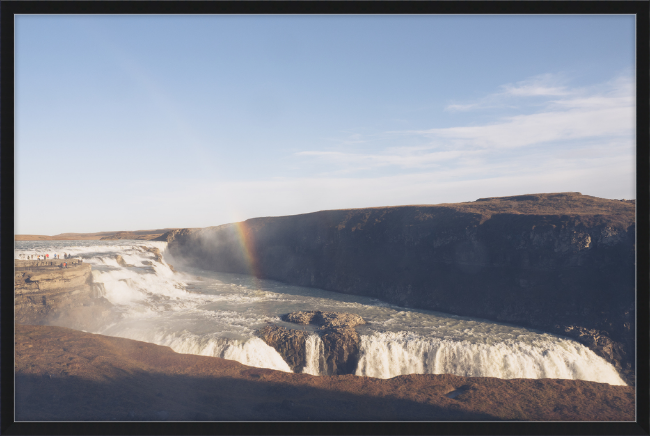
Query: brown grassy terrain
(136, 234)
(64, 374)
(561, 203)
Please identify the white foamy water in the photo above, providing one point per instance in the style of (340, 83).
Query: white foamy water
(216, 314)
(387, 355)
(313, 351)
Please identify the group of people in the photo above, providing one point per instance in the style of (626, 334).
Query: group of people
(46, 256)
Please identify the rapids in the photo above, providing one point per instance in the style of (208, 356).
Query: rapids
(216, 314)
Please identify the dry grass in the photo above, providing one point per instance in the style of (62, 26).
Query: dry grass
(136, 234)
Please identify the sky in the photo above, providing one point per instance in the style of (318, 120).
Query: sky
(144, 122)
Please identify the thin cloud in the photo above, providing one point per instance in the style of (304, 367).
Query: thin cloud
(463, 107)
(567, 120)
(526, 130)
(407, 158)
(543, 85)
(605, 111)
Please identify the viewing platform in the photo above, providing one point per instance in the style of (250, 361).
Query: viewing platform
(31, 265)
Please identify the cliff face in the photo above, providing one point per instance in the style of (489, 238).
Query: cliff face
(289, 343)
(563, 263)
(44, 293)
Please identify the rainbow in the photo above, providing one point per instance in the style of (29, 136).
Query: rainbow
(245, 234)
(247, 243)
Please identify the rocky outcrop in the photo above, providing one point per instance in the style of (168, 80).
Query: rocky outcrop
(563, 263)
(46, 293)
(158, 256)
(340, 350)
(340, 340)
(326, 320)
(121, 262)
(336, 330)
(155, 251)
(289, 343)
(174, 234)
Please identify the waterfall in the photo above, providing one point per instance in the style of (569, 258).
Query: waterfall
(386, 355)
(313, 355)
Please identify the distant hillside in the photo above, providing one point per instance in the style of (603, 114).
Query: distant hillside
(136, 234)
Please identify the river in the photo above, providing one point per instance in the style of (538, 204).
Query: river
(216, 314)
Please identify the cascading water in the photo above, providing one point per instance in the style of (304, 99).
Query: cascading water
(216, 314)
(387, 355)
(313, 354)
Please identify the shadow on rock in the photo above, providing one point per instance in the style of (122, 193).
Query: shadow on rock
(151, 397)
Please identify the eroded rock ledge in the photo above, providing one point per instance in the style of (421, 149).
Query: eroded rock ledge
(45, 293)
(340, 340)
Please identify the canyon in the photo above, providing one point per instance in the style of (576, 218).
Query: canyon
(563, 263)
(64, 374)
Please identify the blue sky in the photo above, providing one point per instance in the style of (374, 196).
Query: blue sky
(143, 122)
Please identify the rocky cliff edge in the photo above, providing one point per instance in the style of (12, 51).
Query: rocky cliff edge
(563, 263)
(46, 293)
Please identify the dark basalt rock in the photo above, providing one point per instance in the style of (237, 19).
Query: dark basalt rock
(325, 320)
(340, 350)
(563, 263)
(289, 343)
(336, 330)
